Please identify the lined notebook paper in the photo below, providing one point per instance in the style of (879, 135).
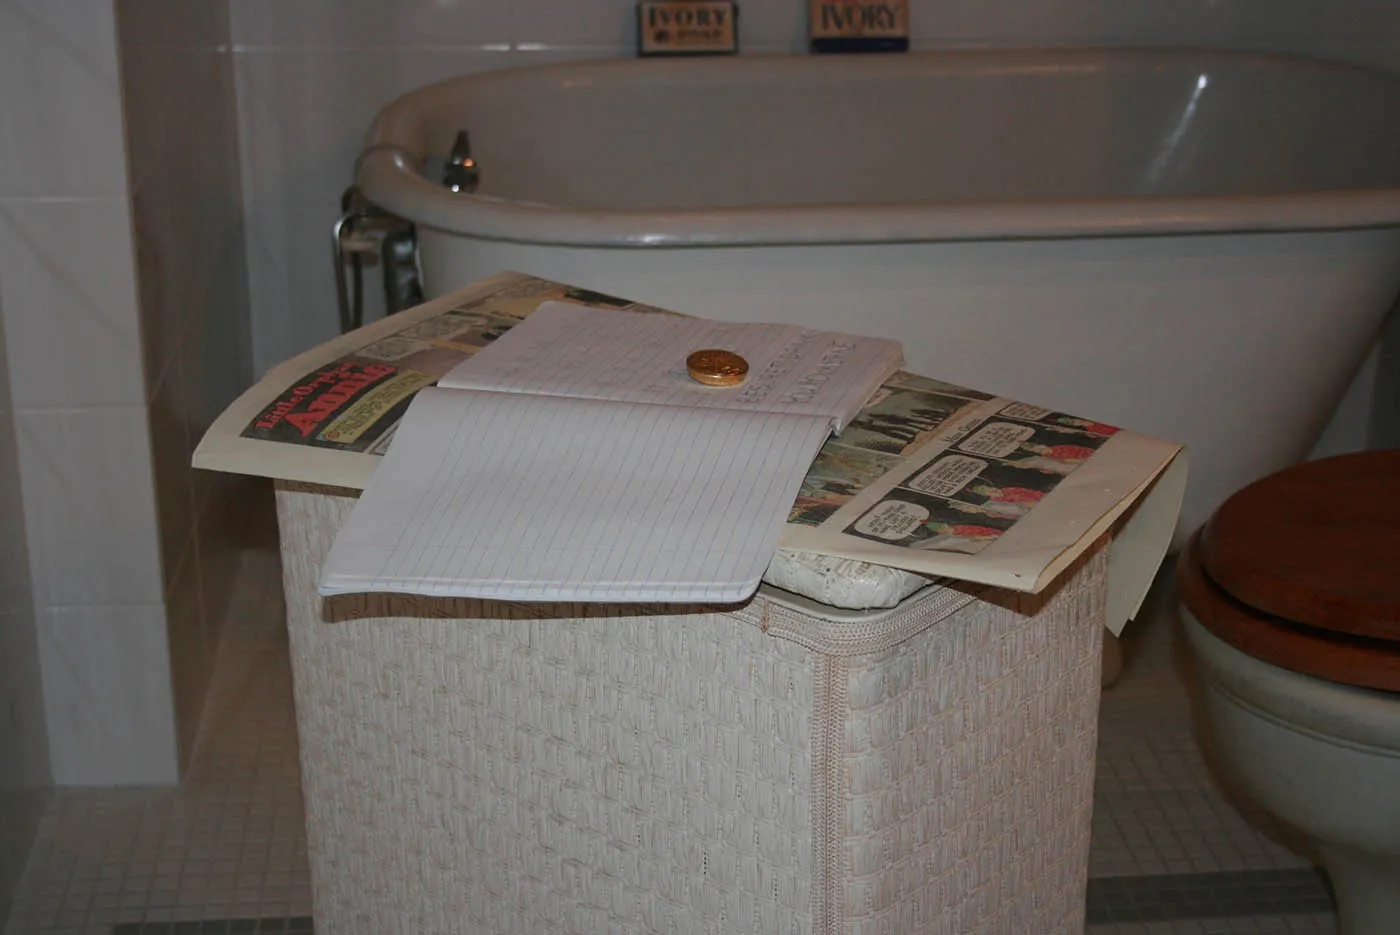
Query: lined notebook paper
(575, 459)
(564, 349)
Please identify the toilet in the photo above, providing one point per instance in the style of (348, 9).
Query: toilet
(1290, 600)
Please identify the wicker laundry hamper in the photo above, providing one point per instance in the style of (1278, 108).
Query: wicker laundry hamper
(777, 767)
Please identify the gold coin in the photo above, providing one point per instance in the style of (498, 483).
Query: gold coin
(715, 367)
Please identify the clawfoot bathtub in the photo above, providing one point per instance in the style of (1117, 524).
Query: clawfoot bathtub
(1195, 245)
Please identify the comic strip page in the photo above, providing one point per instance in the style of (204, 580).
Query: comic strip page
(929, 476)
(353, 404)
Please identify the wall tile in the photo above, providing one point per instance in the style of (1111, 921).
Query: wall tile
(170, 463)
(216, 349)
(291, 288)
(303, 115)
(191, 660)
(1294, 25)
(229, 509)
(173, 24)
(64, 57)
(188, 221)
(149, 23)
(21, 811)
(1348, 430)
(597, 22)
(192, 104)
(157, 269)
(24, 755)
(200, 24)
(1003, 22)
(110, 716)
(194, 284)
(69, 300)
(773, 25)
(15, 594)
(89, 506)
(1362, 30)
(323, 24)
(145, 83)
(14, 551)
(543, 53)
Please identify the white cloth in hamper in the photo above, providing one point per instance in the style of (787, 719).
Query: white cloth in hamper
(493, 768)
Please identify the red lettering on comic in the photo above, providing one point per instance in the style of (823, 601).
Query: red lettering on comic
(323, 394)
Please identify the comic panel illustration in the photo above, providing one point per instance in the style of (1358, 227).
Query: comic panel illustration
(1028, 413)
(463, 330)
(997, 487)
(355, 403)
(1048, 448)
(436, 345)
(912, 381)
(838, 474)
(809, 511)
(914, 521)
(897, 419)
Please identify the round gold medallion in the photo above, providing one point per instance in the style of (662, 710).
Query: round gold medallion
(714, 367)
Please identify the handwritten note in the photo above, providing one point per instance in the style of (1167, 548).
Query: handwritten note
(564, 349)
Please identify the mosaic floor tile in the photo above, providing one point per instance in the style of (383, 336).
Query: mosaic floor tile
(300, 925)
(1168, 897)
(1253, 925)
(229, 843)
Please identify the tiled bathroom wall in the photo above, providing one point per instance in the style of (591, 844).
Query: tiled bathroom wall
(123, 296)
(24, 757)
(181, 135)
(311, 74)
(68, 297)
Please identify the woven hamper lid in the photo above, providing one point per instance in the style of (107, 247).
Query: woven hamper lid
(1316, 544)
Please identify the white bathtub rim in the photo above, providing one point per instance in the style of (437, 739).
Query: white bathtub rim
(389, 169)
(390, 178)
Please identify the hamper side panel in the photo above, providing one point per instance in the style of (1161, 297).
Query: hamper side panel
(970, 756)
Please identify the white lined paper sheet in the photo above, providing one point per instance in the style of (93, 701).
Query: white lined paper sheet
(564, 349)
(538, 499)
(575, 459)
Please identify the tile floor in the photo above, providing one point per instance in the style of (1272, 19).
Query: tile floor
(226, 851)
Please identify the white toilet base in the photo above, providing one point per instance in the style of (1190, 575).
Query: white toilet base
(1323, 757)
(1367, 888)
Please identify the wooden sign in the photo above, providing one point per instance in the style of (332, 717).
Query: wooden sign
(858, 25)
(687, 27)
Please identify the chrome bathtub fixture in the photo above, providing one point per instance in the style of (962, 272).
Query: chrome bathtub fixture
(461, 173)
(365, 230)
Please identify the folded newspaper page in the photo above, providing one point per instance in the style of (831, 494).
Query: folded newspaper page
(929, 477)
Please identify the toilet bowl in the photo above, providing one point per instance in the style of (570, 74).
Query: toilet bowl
(1290, 599)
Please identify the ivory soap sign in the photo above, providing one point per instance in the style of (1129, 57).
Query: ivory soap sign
(686, 27)
(858, 25)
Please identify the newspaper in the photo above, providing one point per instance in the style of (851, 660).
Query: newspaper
(929, 477)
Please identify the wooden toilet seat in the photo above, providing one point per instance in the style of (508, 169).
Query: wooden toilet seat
(1302, 570)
